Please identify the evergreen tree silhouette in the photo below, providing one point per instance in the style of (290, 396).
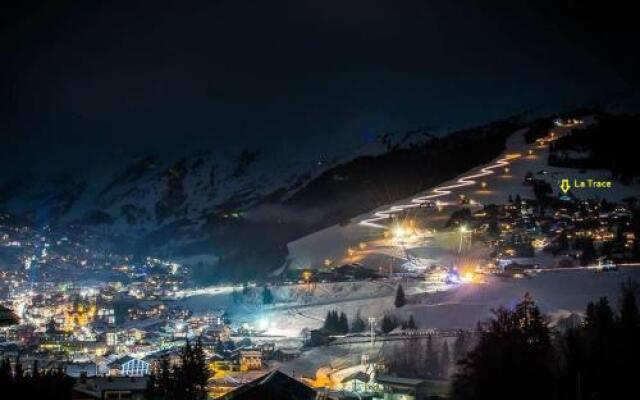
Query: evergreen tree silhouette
(400, 300)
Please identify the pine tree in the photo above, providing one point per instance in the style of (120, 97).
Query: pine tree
(629, 314)
(460, 346)
(400, 300)
(445, 360)
(431, 359)
(189, 380)
(514, 350)
(16, 384)
(164, 380)
(628, 345)
(6, 376)
(336, 322)
(562, 243)
(18, 372)
(588, 251)
(388, 324)
(330, 322)
(411, 324)
(343, 323)
(35, 370)
(7, 317)
(358, 324)
(590, 314)
(267, 296)
(201, 371)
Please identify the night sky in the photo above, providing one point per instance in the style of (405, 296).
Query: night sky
(82, 80)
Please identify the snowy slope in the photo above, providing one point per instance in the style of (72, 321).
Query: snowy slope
(332, 243)
(179, 196)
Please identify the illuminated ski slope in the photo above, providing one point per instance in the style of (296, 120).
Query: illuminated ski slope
(437, 192)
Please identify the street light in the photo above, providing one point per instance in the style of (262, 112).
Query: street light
(372, 323)
(399, 232)
(463, 231)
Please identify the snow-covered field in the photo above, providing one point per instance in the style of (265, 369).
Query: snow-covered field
(557, 292)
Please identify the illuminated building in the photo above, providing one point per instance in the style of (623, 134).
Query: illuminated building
(78, 316)
(112, 338)
(250, 360)
(128, 366)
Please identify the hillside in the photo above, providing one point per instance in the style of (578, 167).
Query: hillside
(223, 208)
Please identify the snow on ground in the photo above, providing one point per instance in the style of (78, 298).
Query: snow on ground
(300, 307)
(333, 357)
(332, 243)
(557, 293)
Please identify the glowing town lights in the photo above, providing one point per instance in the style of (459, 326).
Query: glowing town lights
(530, 152)
(507, 170)
(327, 262)
(306, 275)
(362, 245)
(463, 229)
(351, 252)
(467, 277)
(483, 185)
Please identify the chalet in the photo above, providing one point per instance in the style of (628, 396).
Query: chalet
(272, 386)
(110, 388)
(217, 333)
(250, 360)
(78, 369)
(128, 366)
(356, 382)
(286, 354)
(397, 388)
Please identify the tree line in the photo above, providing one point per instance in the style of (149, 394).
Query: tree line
(35, 383)
(519, 355)
(185, 380)
(418, 357)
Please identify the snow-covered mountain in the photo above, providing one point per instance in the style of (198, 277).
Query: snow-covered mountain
(238, 208)
(178, 199)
